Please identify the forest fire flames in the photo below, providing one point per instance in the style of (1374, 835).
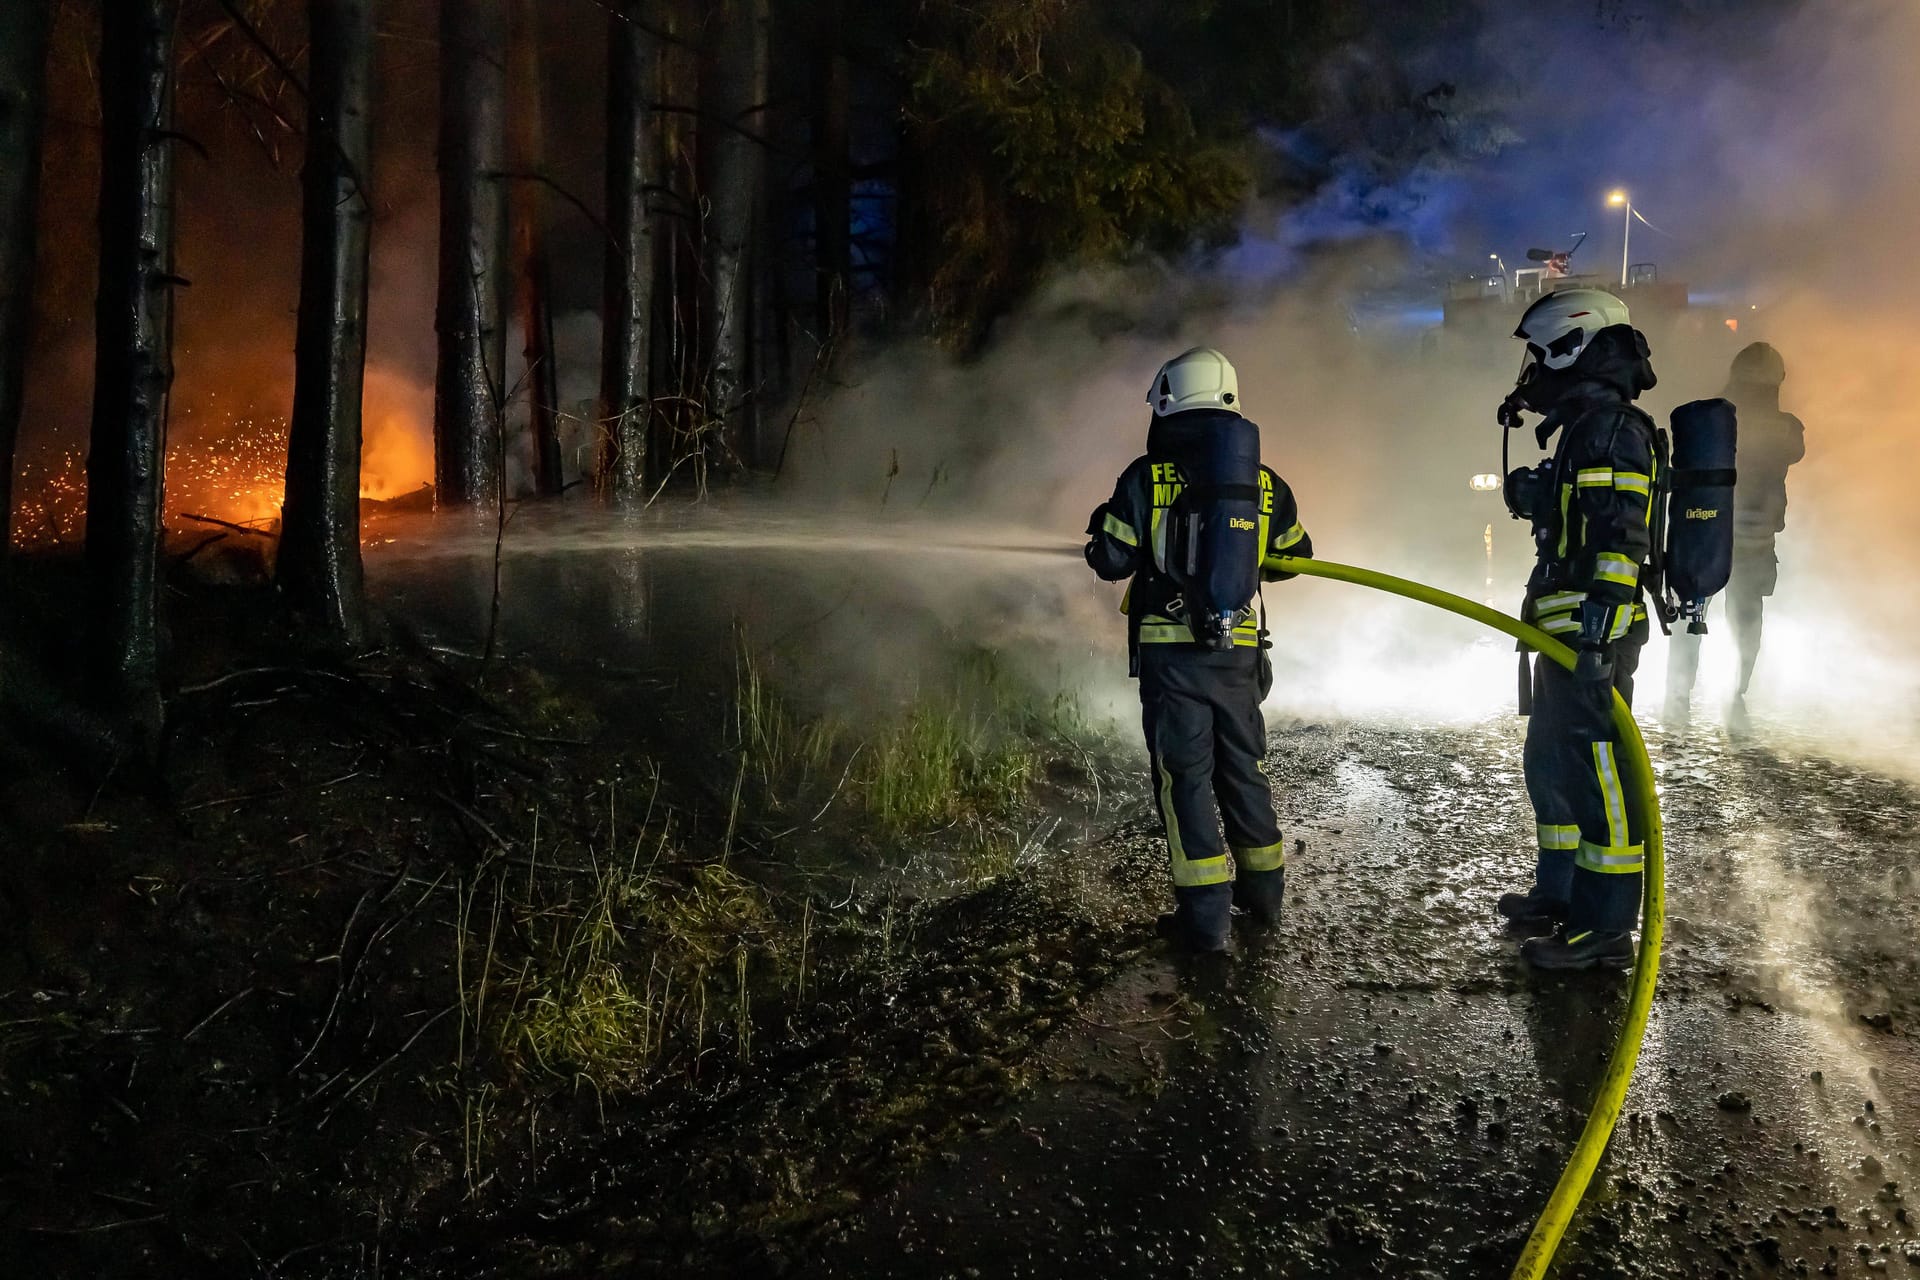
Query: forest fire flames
(233, 468)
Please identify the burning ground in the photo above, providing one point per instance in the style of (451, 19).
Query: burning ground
(686, 967)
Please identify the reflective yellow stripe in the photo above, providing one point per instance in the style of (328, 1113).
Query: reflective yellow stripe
(1558, 839)
(1594, 477)
(1270, 857)
(1566, 503)
(1610, 793)
(1623, 619)
(1616, 857)
(1579, 937)
(1611, 567)
(1121, 530)
(1633, 482)
(1621, 860)
(1560, 600)
(1202, 871)
(1564, 624)
(1287, 539)
(1186, 873)
(1156, 630)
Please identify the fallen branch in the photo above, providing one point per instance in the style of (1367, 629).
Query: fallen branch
(226, 524)
(397, 1054)
(273, 794)
(95, 1230)
(225, 1005)
(198, 547)
(339, 956)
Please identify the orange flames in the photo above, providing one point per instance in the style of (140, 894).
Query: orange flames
(231, 465)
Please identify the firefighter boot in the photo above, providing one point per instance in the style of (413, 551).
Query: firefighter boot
(1260, 894)
(1587, 949)
(1677, 716)
(1739, 725)
(1532, 908)
(1201, 918)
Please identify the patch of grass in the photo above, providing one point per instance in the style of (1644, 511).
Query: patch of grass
(785, 754)
(967, 745)
(574, 1010)
(945, 761)
(625, 974)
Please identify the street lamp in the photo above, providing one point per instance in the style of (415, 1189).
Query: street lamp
(1486, 482)
(1496, 260)
(1626, 236)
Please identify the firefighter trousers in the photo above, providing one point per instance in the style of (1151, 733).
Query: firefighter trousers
(1756, 571)
(1591, 847)
(1207, 741)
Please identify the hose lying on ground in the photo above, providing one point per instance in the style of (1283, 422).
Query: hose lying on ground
(1552, 1224)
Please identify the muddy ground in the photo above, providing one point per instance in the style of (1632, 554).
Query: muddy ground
(239, 1036)
(1381, 1089)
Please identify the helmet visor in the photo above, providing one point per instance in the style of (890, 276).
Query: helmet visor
(1529, 365)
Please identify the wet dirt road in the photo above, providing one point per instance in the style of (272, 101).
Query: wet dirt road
(1380, 1089)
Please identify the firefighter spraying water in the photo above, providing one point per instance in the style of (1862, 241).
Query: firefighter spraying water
(1197, 523)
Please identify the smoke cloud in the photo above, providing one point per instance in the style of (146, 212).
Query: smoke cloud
(1760, 139)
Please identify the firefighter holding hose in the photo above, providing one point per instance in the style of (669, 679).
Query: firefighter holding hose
(1591, 508)
(1198, 523)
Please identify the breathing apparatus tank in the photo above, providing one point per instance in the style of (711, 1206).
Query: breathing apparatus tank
(1694, 530)
(1212, 544)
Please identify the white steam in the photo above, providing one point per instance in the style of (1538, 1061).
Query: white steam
(1778, 140)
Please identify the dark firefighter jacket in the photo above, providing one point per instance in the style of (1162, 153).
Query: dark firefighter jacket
(1595, 529)
(1125, 529)
(1770, 442)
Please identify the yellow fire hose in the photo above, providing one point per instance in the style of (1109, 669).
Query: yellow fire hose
(1552, 1224)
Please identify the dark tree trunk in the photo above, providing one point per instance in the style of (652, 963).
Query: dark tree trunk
(23, 108)
(675, 388)
(133, 351)
(832, 185)
(530, 253)
(732, 146)
(469, 392)
(319, 563)
(627, 306)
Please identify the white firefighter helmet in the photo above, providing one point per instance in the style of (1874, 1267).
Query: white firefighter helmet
(1559, 326)
(1196, 379)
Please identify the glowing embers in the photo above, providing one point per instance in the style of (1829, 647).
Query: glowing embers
(231, 465)
(235, 470)
(234, 474)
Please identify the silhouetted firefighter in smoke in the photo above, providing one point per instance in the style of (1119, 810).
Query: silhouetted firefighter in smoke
(1770, 442)
(1591, 506)
(1197, 524)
